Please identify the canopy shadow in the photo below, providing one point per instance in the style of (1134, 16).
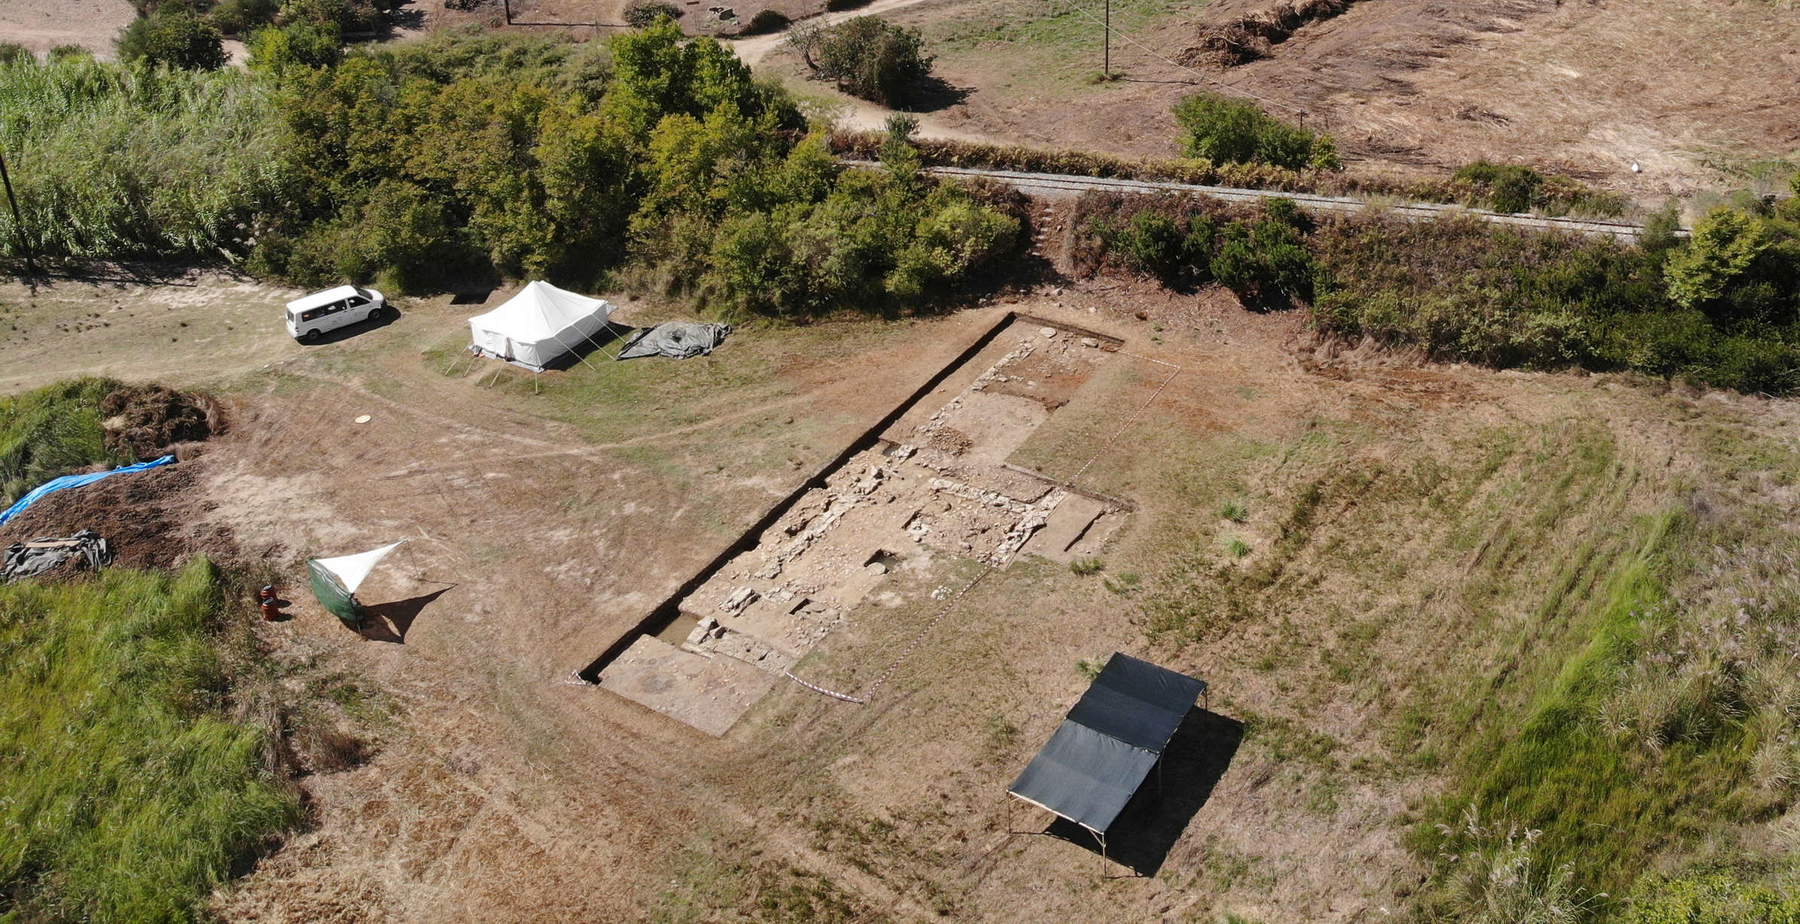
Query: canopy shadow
(389, 622)
(1192, 765)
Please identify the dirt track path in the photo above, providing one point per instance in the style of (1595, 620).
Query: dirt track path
(754, 49)
(858, 115)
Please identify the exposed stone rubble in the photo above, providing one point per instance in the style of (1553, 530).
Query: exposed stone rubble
(872, 534)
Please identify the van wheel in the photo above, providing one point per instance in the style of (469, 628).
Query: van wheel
(311, 336)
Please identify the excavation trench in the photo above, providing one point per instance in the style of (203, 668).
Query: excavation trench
(926, 484)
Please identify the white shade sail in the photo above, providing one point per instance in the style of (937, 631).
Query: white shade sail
(352, 570)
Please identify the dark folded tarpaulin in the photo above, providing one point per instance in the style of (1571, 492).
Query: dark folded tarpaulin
(1109, 742)
(74, 481)
(47, 553)
(677, 339)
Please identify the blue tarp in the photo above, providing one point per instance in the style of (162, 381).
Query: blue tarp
(75, 481)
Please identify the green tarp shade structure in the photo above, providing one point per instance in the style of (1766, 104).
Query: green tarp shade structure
(335, 580)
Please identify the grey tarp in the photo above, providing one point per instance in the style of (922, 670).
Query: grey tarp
(1109, 742)
(679, 339)
(27, 559)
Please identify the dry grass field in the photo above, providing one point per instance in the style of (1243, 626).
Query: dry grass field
(1380, 529)
(1696, 93)
(1390, 572)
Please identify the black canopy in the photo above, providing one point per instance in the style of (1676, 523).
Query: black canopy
(1109, 742)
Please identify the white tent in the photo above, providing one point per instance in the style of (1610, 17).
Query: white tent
(539, 324)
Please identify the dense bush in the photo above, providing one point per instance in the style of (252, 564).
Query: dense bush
(175, 37)
(1722, 310)
(766, 21)
(642, 13)
(344, 15)
(1260, 254)
(1713, 898)
(1510, 187)
(1719, 310)
(275, 49)
(237, 17)
(1234, 131)
(112, 161)
(870, 58)
(474, 155)
(1516, 188)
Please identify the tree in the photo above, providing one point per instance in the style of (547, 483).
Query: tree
(175, 37)
(274, 49)
(240, 17)
(1724, 245)
(869, 58)
(344, 15)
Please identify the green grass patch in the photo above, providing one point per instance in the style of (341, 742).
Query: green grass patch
(1059, 42)
(125, 792)
(51, 431)
(1604, 809)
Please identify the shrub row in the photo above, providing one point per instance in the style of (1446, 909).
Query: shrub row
(1473, 192)
(471, 155)
(1722, 309)
(1257, 252)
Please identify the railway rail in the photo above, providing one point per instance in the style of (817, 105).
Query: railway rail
(1057, 185)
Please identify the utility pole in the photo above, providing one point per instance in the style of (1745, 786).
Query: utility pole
(507, 4)
(18, 222)
(1106, 59)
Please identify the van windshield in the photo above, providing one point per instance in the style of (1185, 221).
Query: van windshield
(363, 292)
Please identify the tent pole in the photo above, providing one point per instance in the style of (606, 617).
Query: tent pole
(583, 359)
(600, 349)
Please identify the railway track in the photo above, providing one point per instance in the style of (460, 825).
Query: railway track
(1056, 185)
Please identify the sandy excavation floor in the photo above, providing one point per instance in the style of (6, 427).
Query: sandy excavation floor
(545, 523)
(935, 485)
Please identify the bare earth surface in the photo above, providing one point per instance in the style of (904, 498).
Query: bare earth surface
(545, 517)
(1693, 91)
(41, 25)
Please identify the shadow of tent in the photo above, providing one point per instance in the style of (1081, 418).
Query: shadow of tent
(606, 341)
(389, 622)
(1143, 835)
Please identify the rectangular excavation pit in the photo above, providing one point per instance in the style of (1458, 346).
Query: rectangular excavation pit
(930, 480)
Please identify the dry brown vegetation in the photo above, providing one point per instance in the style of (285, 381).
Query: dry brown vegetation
(1252, 35)
(1694, 92)
(1400, 592)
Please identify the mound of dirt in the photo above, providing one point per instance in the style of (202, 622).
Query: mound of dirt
(1250, 36)
(149, 518)
(145, 421)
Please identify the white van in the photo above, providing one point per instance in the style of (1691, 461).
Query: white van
(331, 309)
